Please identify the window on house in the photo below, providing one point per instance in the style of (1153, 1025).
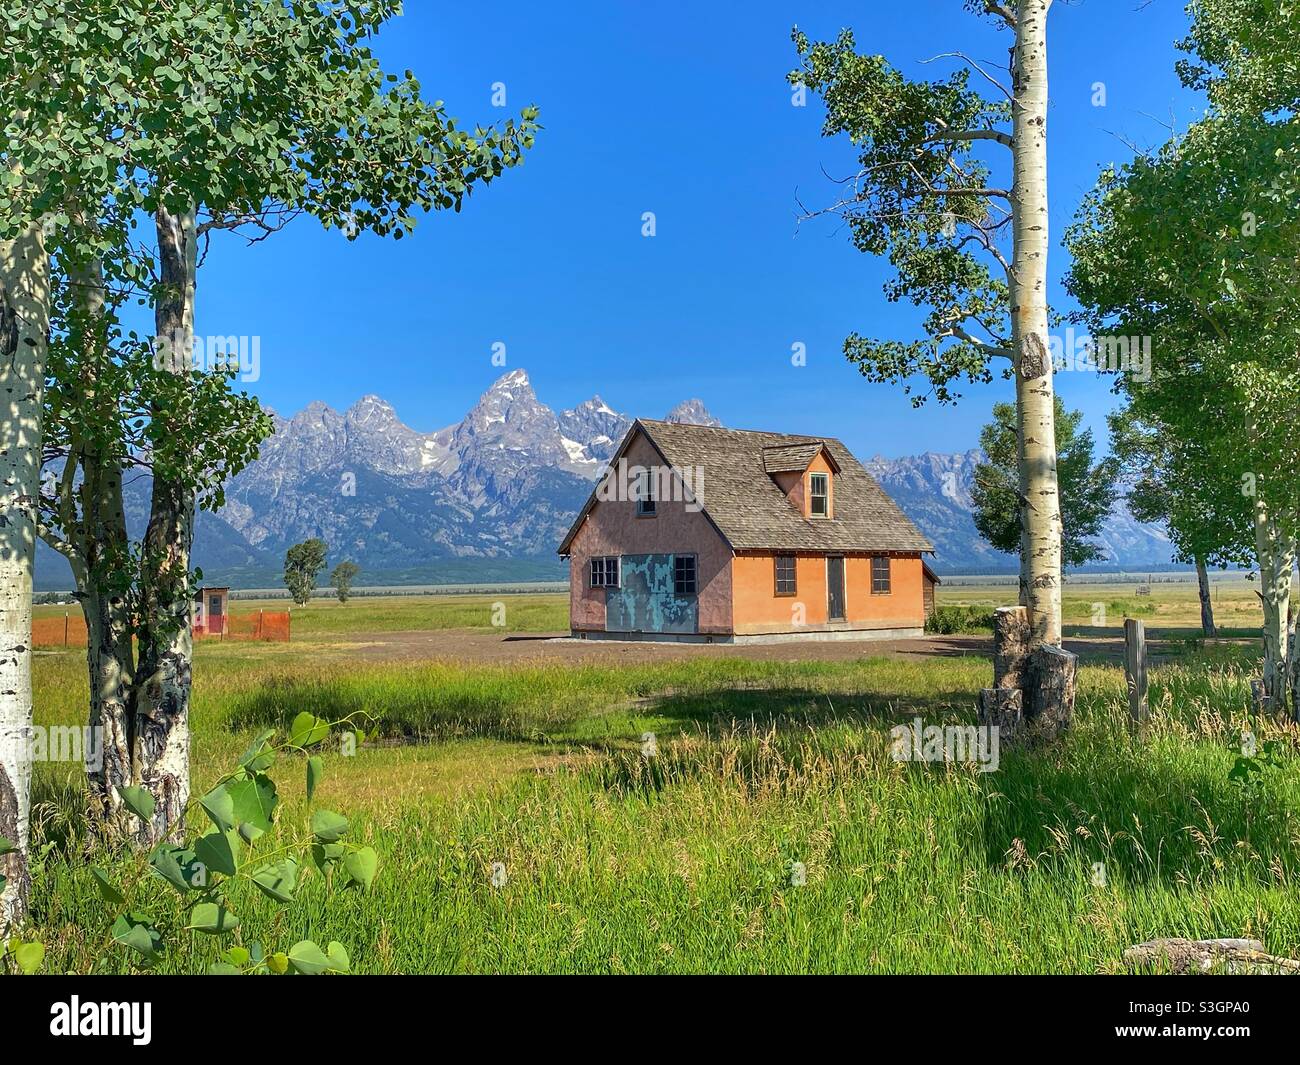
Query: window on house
(785, 581)
(645, 496)
(604, 572)
(880, 575)
(819, 495)
(684, 574)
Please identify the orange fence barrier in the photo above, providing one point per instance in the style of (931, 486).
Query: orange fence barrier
(67, 631)
(264, 625)
(70, 630)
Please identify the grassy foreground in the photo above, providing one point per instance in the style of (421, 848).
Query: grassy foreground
(685, 864)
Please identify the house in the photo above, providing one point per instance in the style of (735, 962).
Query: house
(710, 534)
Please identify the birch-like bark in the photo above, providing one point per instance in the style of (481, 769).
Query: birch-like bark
(162, 730)
(1022, 481)
(1275, 553)
(101, 552)
(1034, 400)
(24, 331)
(1207, 605)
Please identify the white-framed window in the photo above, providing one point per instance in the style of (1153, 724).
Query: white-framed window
(645, 496)
(819, 495)
(880, 575)
(605, 571)
(684, 579)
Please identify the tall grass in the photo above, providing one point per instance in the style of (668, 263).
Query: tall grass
(685, 862)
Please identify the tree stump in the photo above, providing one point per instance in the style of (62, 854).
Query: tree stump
(1029, 686)
(1002, 708)
(1010, 646)
(1050, 689)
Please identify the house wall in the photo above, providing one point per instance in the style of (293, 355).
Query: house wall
(758, 609)
(928, 595)
(646, 544)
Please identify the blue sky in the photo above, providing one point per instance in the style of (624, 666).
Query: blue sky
(683, 110)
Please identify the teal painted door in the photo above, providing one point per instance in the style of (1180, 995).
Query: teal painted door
(645, 600)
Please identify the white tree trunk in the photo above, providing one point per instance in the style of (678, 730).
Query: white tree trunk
(24, 329)
(162, 727)
(1275, 553)
(1034, 399)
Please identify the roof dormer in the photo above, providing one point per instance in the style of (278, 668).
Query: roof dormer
(805, 472)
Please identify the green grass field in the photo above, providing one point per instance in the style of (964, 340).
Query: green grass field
(684, 864)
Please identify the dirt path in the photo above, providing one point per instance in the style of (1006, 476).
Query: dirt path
(479, 647)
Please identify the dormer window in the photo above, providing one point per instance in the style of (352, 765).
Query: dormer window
(819, 495)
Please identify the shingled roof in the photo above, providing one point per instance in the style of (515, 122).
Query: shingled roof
(753, 514)
(791, 458)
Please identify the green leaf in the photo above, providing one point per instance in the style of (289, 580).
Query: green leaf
(260, 755)
(220, 806)
(29, 957)
(315, 770)
(278, 879)
(278, 963)
(254, 800)
(238, 956)
(224, 968)
(328, 827)
(308, 959)
(175, 865)
(308, 730)
(362, 865)
(107, 890)
(7, 846)
(138, 801)
(136, 931)
(219, 852)
(338, 957)
(324, 855)
(212, 918)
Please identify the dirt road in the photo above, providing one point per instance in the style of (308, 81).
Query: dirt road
(479, 647)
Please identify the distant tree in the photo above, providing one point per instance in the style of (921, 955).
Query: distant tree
(1088, 489)
(302, 565)
(341, 578)
(1170, 479)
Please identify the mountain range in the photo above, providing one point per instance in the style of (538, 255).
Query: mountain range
(489, 498)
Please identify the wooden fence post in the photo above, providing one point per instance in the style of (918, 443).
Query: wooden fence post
(1135, 668)
(65, 628)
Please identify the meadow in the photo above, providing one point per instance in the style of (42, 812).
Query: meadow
(771, 832)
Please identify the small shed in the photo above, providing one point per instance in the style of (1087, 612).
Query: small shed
(928, 581)
(211, 611)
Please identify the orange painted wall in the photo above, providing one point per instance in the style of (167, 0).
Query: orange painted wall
(757, 608)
